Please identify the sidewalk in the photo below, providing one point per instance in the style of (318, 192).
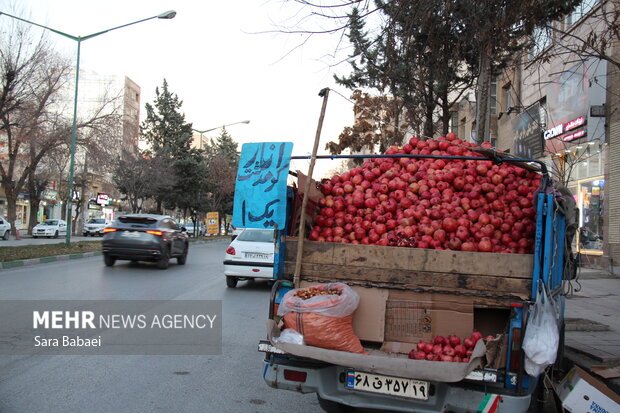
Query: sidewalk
(28, 240)
(592, 310)
(592, 336)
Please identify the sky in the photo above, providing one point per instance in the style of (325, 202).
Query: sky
(217, 58)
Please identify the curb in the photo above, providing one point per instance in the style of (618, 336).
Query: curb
(43, 260)
(55, 258)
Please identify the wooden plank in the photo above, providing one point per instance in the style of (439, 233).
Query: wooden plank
(478, 301)
(456, 262)
(315, 252)
(417, 279)
(506, 265)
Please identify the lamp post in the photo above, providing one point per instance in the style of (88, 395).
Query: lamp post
(201, 132)
(79, 39)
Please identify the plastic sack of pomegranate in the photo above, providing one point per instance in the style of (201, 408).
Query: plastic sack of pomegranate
(323, 314)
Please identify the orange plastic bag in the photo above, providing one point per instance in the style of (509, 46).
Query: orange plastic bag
(325, 319)
(334, 333)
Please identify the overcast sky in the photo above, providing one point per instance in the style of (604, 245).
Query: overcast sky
(214, 60)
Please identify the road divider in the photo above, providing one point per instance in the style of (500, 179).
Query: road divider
(65, 257)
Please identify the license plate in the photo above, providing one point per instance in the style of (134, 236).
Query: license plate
(394, 386)
(256, 255)
(131, 234)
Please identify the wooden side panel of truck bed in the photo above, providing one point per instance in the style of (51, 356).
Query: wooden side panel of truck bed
(494, 280)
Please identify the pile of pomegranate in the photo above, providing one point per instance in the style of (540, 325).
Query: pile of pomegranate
(311, 292)
(450, 349)
(462, 205)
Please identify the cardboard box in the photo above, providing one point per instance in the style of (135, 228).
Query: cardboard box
(411, 317)
(582, 393)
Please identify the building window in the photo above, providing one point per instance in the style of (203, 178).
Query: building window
(507, 96)
(580, 11)
(454, 122)
(462, 124)
(540, 40)
(542, 113)
(493, 96)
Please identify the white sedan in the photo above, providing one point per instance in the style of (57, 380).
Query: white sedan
(50, 228)
(250, 255)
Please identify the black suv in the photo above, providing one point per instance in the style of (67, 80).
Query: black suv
(145, 237)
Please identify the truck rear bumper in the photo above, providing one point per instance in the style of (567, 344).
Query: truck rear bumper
(326, 382)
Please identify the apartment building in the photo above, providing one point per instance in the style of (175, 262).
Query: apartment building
(565, 109)
(102, 199)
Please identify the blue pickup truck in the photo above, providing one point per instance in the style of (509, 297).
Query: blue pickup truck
(495, 289)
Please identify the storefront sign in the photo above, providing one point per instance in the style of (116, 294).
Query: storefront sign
(573, 136)
(564, 127)
(573, 124)
(213, 223)
(49, 194)
(553, 132)
(526, 126)
(103, 199)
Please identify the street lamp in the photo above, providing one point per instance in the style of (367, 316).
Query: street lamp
(166, 15)
(201, 132)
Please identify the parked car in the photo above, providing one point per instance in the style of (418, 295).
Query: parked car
(235, 232)
(189, 226)
(250, 255)
(50, 228)
(5, 229)
(145, 237)
(94, 227)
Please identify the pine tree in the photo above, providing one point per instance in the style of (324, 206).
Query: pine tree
(164, 128)
(428, 52)
(169, 138)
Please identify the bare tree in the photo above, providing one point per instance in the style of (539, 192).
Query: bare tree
(33, 80)
(139, 178)
(31, 76)
(600, 29)
(380, 122)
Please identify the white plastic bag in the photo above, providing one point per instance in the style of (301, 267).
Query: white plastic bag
(542, 335)
(288, 335)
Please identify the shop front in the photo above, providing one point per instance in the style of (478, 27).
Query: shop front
(582, 169)
(575, 140)
(590, 195)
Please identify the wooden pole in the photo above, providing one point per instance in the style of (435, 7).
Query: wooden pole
(302, 218)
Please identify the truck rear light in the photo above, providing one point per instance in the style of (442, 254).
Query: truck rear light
(515, 350)
(294, 375)
(159, 233)
(109, 230)
(230, 251)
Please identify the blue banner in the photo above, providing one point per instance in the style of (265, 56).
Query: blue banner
(260, 187)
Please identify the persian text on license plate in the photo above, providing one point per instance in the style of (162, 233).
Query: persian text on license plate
(131, 234)
(256, 255)
(395, 386)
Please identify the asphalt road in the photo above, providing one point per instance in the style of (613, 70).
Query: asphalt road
(230, 382)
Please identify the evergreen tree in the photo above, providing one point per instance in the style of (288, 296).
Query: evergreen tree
(169, 138)
(222, 158)
(165, 128)
(428, 52)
